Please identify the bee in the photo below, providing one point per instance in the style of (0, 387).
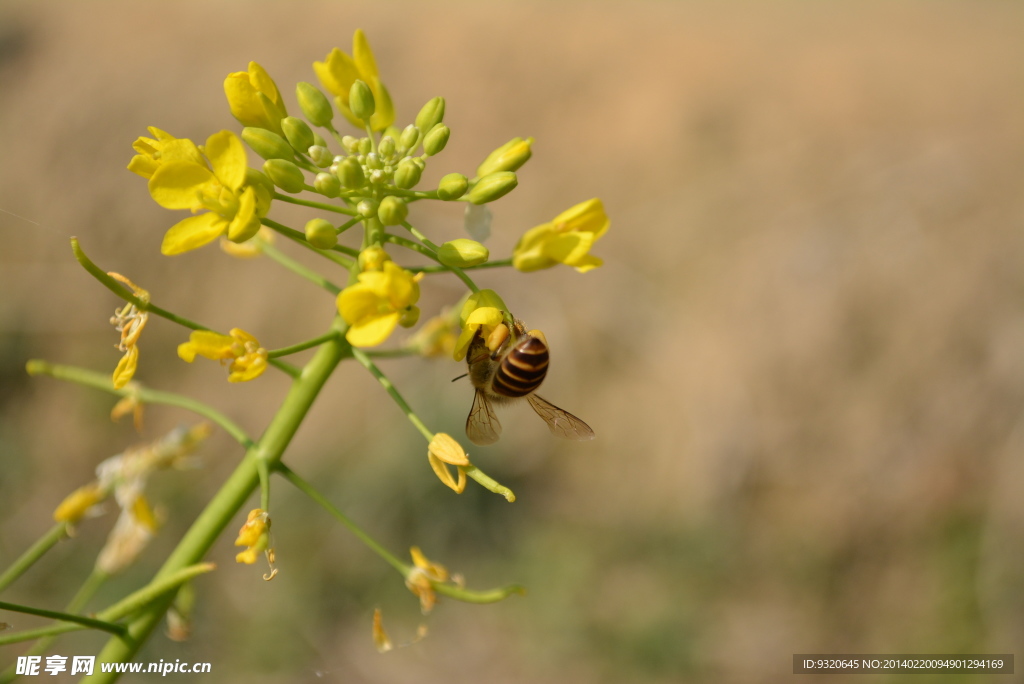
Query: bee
(510, 365)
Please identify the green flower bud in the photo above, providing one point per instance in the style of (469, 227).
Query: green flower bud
(297, 132)
(436, 139)
(493, 186)
(360, 100)
(350, 173)
(321, 234)
(410, 138)
(314, 105)
(259, 179)
(320, 155)
(267, 144)
(350, 143)
(367, 208)
(408, 174)
(386, 147)
(452, 187)
(365, 146)
(285, 175)
(462, 253)
(317, 140)
(431, 114)
(508, 157)
(392, 211)
(410, 317)
(327, 184)
(373, 161)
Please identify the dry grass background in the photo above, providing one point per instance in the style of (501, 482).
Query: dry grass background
(804, 358)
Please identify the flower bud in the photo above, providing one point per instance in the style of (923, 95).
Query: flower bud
(367, 208)
(365, 146)
(285, 175)
(372, 258)
(410, 138)
(410, 317)
(408, 174)
(392, 211)
(386, 147)
(373, 161)
(508, 157)
(493, 186)
(452, 187)
(258, 179)
(297, 132)
(462, 253)
(321, 234)
(317, 140)
(314, 104)
(267, 144)
(360, 100)
(431, 114)
(320, 155)
(350, 173)
(436, 139)
(350, 143)
(327, 184)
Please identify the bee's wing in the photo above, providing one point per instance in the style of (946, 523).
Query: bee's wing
(561, 423)
(482, 426)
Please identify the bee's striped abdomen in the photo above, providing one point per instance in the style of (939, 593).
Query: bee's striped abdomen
(523, 369)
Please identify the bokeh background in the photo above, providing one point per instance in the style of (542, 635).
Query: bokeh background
(804, 357)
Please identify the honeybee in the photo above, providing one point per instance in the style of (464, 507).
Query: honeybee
(510, 365)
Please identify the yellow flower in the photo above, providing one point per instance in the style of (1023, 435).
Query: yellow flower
(79, 503)
(338, 72)
(248, 358)
(443, 451)
(255, 535)
(421, 578)
(483, 311)
(254, 98)
(235, 200)
(129, 321)
(162, 147)
(133, 530)
(565, 240)
(380, 638)
(374, 306)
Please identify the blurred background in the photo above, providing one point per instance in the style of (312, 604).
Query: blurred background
(804, 357)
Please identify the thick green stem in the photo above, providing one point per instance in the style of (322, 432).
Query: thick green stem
(232, 496)
(34, 553)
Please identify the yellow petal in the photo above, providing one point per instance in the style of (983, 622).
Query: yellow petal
(358, 302)
(207, 344)
(78, 503)
(227, 156)
(569, 248)
(192, 233)
(380, 637)
(586, 217)
(126, 367)
(259, 77)
(363, 56)
(446, 449)
(177, 184)
(246, 223)
(337, 73)
(372, 332)
(485, 318)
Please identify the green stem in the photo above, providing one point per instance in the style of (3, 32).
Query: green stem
(303, 346)
(299, 238)
(34, 553)
(486, 481)
(444, 269)
(470, 596)
(457, 271)
(158, 588)
(102, 381)
(366, 363)
(126, 294)
(413, 194)
(65, 617)
(298, 269)
(390, 353)
(222, 509)
(316, 205)
(416, 247)
(319, 498)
